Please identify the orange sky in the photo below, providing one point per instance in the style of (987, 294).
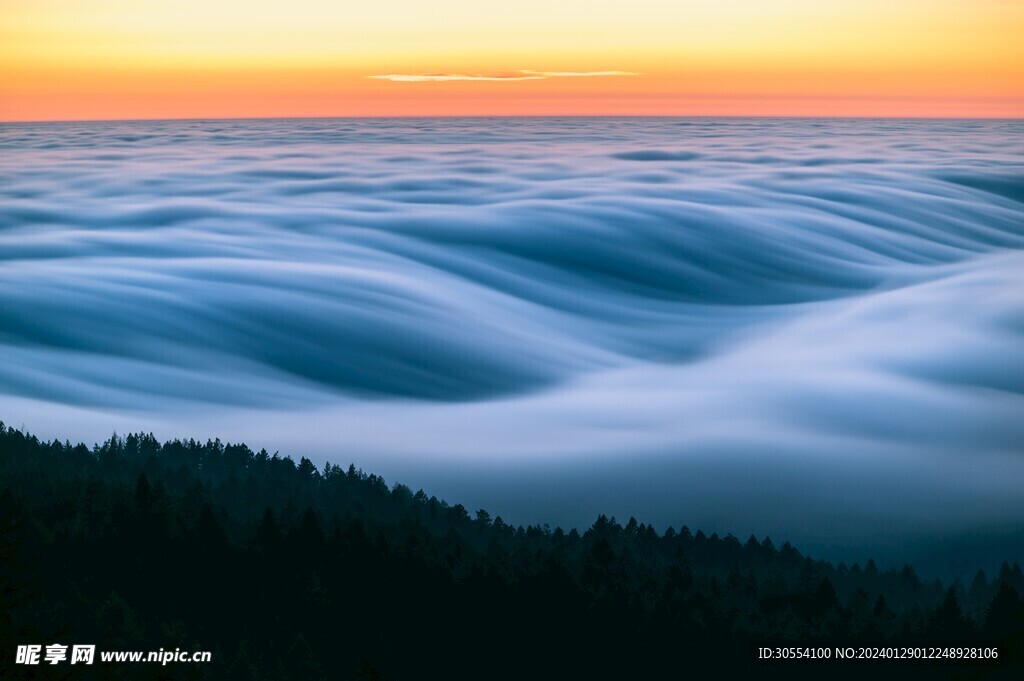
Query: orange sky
(110, 59)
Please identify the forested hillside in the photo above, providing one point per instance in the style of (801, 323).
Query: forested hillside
(287, 571)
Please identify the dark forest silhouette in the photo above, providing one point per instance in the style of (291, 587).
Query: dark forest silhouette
(287, 571)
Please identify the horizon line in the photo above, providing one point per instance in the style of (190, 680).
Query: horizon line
(505, 116)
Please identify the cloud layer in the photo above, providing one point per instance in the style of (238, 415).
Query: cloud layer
(813, 328)
(514, 76)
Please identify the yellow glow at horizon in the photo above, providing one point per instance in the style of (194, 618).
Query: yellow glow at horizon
(82, 48)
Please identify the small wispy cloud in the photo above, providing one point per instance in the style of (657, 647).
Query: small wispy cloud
(514, 76)
(442, 77)
(579, 74)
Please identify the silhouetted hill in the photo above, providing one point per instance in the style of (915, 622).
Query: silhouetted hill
(287, 571)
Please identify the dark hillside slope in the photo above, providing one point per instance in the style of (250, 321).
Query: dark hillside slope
(285, 571)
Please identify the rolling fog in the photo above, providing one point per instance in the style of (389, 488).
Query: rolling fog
(804, 328)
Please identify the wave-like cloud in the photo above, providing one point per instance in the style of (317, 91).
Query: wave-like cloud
(755, 325)
(522, 74)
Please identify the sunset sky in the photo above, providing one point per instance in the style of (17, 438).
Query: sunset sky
(114, 59)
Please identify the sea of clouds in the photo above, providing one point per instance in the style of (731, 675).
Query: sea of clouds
(813, 329)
